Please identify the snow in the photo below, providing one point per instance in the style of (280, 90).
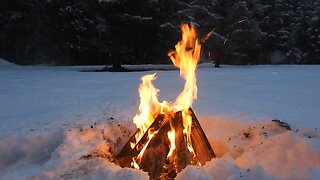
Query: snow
(61, 123)
(6, 64)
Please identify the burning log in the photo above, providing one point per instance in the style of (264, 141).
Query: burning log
(203, 148)
(127, 153)
(182, 156)
(155, 158)
(156, 152)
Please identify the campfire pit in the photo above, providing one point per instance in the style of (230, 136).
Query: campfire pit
(169, 136)
(155, 159)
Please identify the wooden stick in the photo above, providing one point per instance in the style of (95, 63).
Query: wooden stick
(181, 156)
(200, 143)
(126, 154)
(127, 147)
(156, 152)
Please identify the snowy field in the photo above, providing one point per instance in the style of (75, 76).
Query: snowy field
(60, 123)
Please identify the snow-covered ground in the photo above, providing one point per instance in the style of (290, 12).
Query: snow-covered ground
(58, 122)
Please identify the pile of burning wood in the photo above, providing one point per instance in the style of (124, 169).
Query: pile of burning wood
(169, 136)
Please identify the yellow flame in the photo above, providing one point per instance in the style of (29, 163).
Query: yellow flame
(132, 145)
(172, 138)
(134, 164)
(149, 106)
(186, 57)
(150, 136)
(187, 122)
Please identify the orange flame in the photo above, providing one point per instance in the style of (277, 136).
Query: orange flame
(149, 106)
(172, 137)
(186, 57)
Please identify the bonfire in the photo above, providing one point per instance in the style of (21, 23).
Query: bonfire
(169, 136)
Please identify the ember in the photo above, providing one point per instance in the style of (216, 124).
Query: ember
(169, 136)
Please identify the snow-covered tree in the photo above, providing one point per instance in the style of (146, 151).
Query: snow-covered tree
(143, 31)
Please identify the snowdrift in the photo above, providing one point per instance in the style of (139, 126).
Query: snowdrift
(260, 150)
(6, 64)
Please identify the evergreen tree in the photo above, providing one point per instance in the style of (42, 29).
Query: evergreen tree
(143, 31)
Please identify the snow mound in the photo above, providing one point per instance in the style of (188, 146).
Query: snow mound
(259, 150)
(5, 63)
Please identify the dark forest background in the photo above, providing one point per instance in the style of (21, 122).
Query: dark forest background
(70, 32)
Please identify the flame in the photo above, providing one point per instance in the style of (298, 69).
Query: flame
(172, 138)
(149, 106)
(134, 163)
(186, 57)
(150, 136)
(187, 122)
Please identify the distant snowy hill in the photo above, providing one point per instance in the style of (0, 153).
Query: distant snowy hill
(5, 63)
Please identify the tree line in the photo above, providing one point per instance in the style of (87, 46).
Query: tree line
(65, 32)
